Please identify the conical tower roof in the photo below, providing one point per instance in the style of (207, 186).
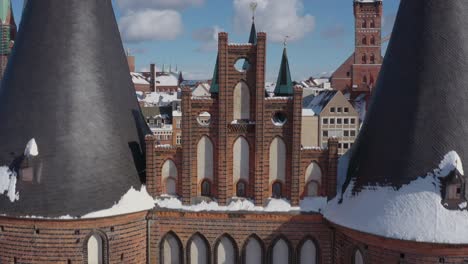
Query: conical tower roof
(214, 88)
(419, 110)
(284, 85)
(68, 87)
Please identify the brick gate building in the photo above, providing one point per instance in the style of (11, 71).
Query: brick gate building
(240, 188)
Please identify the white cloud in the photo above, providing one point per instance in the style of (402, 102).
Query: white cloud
(150, 25)
(126, 5)
(208, 38)
(278, 18)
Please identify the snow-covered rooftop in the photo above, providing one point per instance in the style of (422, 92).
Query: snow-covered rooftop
(413, 212)
(138, 78)
(159, 98)
(318, 103)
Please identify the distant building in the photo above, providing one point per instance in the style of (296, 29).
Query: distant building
(359, 73)
(153, 80)
(326, 116)
(7, 33)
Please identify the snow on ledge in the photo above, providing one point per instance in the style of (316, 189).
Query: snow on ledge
(414, 212)
(312, 204)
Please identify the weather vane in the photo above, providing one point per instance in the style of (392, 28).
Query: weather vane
(253, 7)
(285, 43)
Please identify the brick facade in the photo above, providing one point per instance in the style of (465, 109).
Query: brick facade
(65, 242)
(359, 73)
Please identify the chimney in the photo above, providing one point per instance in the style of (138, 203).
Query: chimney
(153, 77)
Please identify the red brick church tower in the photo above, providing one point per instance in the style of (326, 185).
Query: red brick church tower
(359, 73)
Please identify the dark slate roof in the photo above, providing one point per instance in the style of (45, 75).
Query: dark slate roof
(253, 41)
(419, 109)
(284, 85)
(68, 86)
(214, 88)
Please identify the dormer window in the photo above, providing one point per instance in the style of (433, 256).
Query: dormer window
(453, 190)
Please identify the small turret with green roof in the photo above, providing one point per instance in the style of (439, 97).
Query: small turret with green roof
(284, 85)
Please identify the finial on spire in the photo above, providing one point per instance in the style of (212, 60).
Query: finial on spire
(253, 7)
(285, 43)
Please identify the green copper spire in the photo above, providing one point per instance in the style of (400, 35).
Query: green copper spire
(284, 86)
(253, 34)
(5, 11)
(215, 81)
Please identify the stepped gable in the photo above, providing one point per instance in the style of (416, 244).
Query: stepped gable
(68, 86)
(419, 112)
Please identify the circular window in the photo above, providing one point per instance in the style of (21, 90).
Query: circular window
(204, 119)
(279, 119)
(242, 65)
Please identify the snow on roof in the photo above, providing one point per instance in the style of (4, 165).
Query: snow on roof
(31, 149)
(167, 79)
(8, 183)
(138, 78)
(320, 101)
(176, 113)
(308, 112)
(159, 98)
(413, 212)
(133, 201)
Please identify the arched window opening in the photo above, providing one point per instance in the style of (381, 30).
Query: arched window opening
(241, 102)
(241, 189)
(358, 259)
(225, 252)
(253, 252)
(198, 251)
(169, 176)
(280, 254)
(364, 40)
(241, 160)
(95, 250)
(372, 59)
(364, 59)
(313, 179)
(206, 188)
(171, 186)
(313, 189)
(277, 190)
(372, 24)
(372, 40)
(364, 24)
(308, 252)
(277, 160)
(205, 159)
(364, 79)
(171, 250)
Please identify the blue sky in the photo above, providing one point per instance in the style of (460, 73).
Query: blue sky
(182, 32)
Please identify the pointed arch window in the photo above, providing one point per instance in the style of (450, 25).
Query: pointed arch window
(169, 177)
(199, 253)
(364, 40)
(372, 40)
(225, 251)
(364, 79)
(313, 179)
(253, 251)
(241, 189)
(364, 59)
(205, 159)
(308, 252)
(277, 190)
(364, 24)
(280, 254)
(241, 102)
(357, 258)
(206, 188)
(171, 250)
(372, 59)
(372, 24)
